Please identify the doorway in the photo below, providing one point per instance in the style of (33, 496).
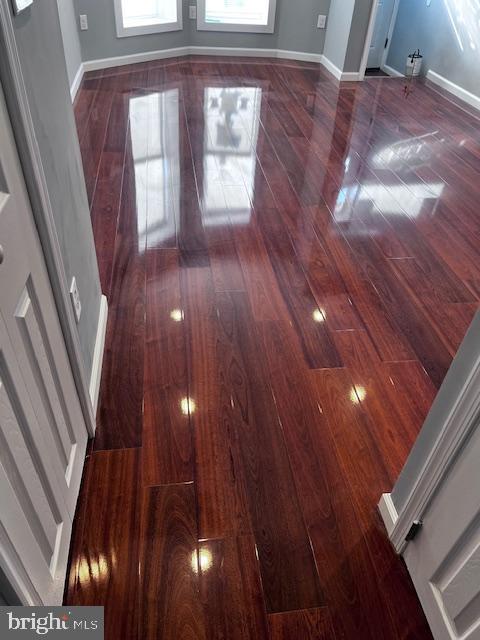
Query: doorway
(378, 38)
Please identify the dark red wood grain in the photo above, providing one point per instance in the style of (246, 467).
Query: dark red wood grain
(291, 264)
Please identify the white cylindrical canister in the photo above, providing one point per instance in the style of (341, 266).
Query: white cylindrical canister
(414, 64)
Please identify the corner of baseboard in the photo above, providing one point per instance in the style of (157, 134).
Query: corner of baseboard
(392, 72)
(388, 512)
(96, 373)
(77, 81)
(332, 68)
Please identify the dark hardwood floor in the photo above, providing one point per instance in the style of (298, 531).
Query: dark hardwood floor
(290, 266)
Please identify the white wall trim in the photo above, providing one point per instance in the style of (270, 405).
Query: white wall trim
(368, 39)
(231, 51)
(391, 71)
(96, 374)
(351, 76)
(343, 76)
(303, 56)
(388, 512)
(148, 56)
(459, 92)
(77, 81)
(29, 151)
(453, 432)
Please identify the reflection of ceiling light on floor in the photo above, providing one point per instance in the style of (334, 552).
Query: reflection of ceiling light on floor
(319, 315)
(177, 315)
(203, 558)
(187, 405)
(92, 569)
(358, 394)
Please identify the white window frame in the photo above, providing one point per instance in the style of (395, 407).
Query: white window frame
(123, 32)
(202, 25)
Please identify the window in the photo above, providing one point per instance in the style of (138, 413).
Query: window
(257, 16)
(137, 17)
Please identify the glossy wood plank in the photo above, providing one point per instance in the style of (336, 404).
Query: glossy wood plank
(104, 566)
(119, 423)
(220, 491)
(310, 624)
(409, 316)
(318, 347)
(231, 589)
(106, 200)
(167, 451)
(94, 135)
(290, 581)
(390, 343)
(374, 390)
(169, 602)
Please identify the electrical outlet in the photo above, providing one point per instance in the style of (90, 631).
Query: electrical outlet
(192, 12)
(83, 22)
(75, 298)
(321, 22)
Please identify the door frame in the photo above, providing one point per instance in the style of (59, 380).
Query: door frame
(13, 83)
(369, 36)
(453, 428)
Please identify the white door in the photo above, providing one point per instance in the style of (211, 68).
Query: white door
(380, 33)
(43, 436)
(444, 558)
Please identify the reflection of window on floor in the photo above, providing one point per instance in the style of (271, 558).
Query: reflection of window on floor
(232, 117)
(154, 130)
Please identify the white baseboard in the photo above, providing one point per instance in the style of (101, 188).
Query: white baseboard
(148, 56)
(329, 66)
(231, 51)
(96, 374)
(77, 82)
(463, 94)
(302, 56)
(388, 512)
(392, 72)
(343, 76)
(299, 55)
(351, 76)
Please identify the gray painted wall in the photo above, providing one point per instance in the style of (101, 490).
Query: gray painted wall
(430, 29)
(455, 379)
(37, 32)
(346, 32)
(71, 41)
(356, 42)
(295, 29)
(338, 31)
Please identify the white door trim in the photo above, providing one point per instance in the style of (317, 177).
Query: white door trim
(452, 434)
(368, 39)
(29, 151)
